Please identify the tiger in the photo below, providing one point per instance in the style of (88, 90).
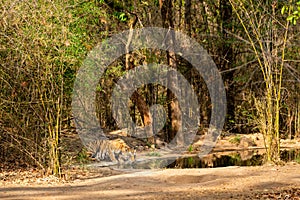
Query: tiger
(115, 150)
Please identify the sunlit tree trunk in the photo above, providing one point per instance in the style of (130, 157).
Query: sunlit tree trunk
(174, 113)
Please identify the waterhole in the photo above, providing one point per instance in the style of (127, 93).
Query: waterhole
(218, 159)
(241, 158)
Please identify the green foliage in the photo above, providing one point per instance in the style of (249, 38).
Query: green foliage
(154, 153)
(45, 42)
(297, 159)
(190, 149)
(293, 12)
(82, 156)
(191, 161)
(121, 16)
(235, 140)
(236, 157)
(115, 71)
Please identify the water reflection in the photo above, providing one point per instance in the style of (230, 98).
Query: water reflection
(242, 158)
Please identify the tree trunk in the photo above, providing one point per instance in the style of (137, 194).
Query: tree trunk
(145, 114)
(174, 113)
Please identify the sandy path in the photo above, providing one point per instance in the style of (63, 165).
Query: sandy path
(216, 183)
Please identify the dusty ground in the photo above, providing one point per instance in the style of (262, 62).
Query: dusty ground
(263, 182)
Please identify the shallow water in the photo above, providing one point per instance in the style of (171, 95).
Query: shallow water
(217, 159)
(241, 158)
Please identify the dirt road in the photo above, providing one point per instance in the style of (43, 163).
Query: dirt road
(261, 182)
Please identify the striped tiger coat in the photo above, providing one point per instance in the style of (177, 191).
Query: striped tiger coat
(111, 150)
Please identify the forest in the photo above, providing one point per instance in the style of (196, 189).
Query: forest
(254, 46)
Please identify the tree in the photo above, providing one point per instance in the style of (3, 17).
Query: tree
(174, 113)
(268, 39)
